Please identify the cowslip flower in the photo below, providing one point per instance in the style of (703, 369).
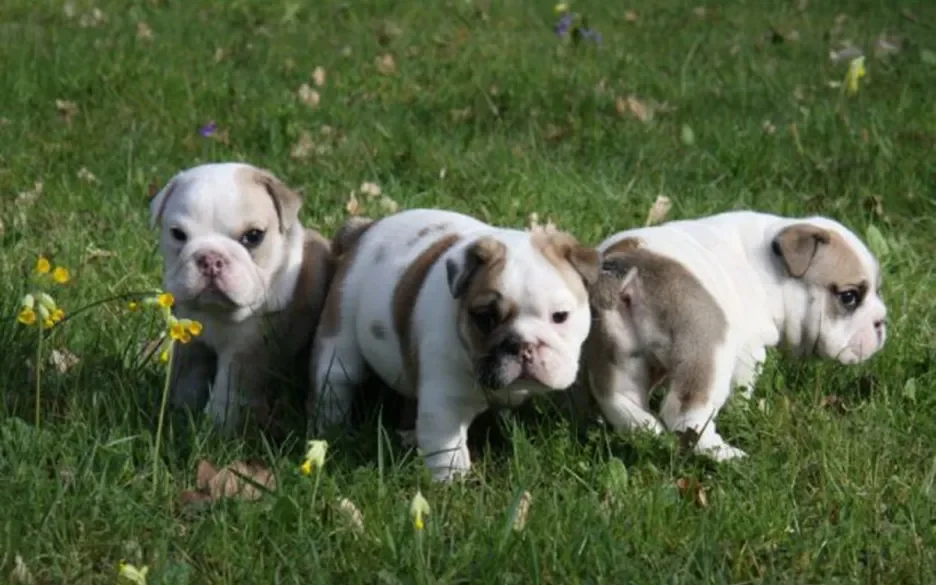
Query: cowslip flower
(178, 330)
(314, 458)
(43, 266)
(856, 70)
(419, 508)
(133, 574)
(27, 314)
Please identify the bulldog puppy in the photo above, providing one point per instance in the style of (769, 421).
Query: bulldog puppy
(456, 314)
(699, 301)
(238, 260)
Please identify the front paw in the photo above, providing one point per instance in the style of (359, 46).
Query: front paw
(446, 466)
(721, 452)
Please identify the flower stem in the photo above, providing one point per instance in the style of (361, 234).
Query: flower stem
(162, 417)
(39, 374)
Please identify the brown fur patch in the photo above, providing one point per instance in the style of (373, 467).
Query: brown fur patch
(624, 245)
(428, 230)
(688, 321)
(286, 201)
(578, 265)
(404, 301)
(331, 313)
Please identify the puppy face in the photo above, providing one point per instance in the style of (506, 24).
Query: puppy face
(844, 316)
(523, 307)
(226, 233)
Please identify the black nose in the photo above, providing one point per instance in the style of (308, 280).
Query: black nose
(512, 345)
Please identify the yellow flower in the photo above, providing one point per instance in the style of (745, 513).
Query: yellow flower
(194, 327)
(176, 330)
(27, 316)
(133, 574)
(61, 275)
(48, 323)
(856, 70)
(43, 266)
(46, 301)
(306, 467)
(165, 300)
(164, 356)
(57, 315)
(133, 306)
(315, 454)
(561, 7)
(419, 508)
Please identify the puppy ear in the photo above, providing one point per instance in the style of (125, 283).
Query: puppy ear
(629, 291)
(158, 203)
(286, 201)
(460, 273)
(797, 245)
(586, 261)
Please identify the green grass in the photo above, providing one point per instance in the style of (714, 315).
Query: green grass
(489, 114)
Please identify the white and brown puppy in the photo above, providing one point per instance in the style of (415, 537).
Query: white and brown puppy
(457, 314)
(237, 259)
(700, 301)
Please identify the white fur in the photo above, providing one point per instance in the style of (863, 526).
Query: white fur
(212, 206)
(449, 397)
(730, 254)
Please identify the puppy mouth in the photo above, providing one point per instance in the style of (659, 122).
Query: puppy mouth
(211, 296)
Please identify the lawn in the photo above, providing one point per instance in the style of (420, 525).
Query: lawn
(479, 107)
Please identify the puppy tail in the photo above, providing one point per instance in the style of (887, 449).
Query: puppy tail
(349, 234)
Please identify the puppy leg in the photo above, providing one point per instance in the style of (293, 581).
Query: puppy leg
(748, 368)
(699, 388)
(193, 369)
(445, 410)
(338, 368)
(623, 396)
(239, 382)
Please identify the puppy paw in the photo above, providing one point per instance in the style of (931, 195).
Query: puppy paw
(721, 452)
(446, 466)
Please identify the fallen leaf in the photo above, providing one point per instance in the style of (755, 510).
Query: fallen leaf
(523, 511)
(66, 110)
(87, 176)
(219, 55)
(460, 114)
(388, 205)
(388, 31)
(303, 147)
(318, 76)
(631, 16)
(345, 51)
(353, 207)
(692, 488)
(309, 96)
(632, 105)
(555, 133)
(238, 480)
(661, 206)
(30, 196)
(21, 575)
(92, 19)
(768, 127)
(63, 360)
(351, 514)
(370, 190)
(845, 54)
(700, 11)
(144, 32)
(885, 47)
(386, 65)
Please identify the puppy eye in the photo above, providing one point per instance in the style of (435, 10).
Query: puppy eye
(178, 235)
(485, 319)
(560, 317)
(849, 298)
(252, 238)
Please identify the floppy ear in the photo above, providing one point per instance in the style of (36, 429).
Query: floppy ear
(586, 261)
(286, 201)
(460, 272)
(629, 291)
(797, 245)
(158, 203)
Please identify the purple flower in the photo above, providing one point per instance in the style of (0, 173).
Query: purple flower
(208, 129)
(564, 24)
(587, 33)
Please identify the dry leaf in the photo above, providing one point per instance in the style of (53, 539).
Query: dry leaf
(700, 11)
(386, 65)
(370, 190)
(345, 51)
(352, 515)
(318, 76)
(555, 133)
(144, 32)
(692, 488)
(233, 481)
(661, 206)
(21, 575)
(388, 31)
(885, 47)
(66, 110)
(309, 96)
(303, 147)
(29, 196)
(845, 54)
(768, 127)
(460, 114)
(63, 360)
(92, 19)
(219, 55)
(523, 511)
(388, 205)
(87, 176)
(631, 16)
(353, 207)
(632, 105)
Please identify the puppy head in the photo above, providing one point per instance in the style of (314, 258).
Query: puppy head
(836, 282)
(523, 306)
(227, 231)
